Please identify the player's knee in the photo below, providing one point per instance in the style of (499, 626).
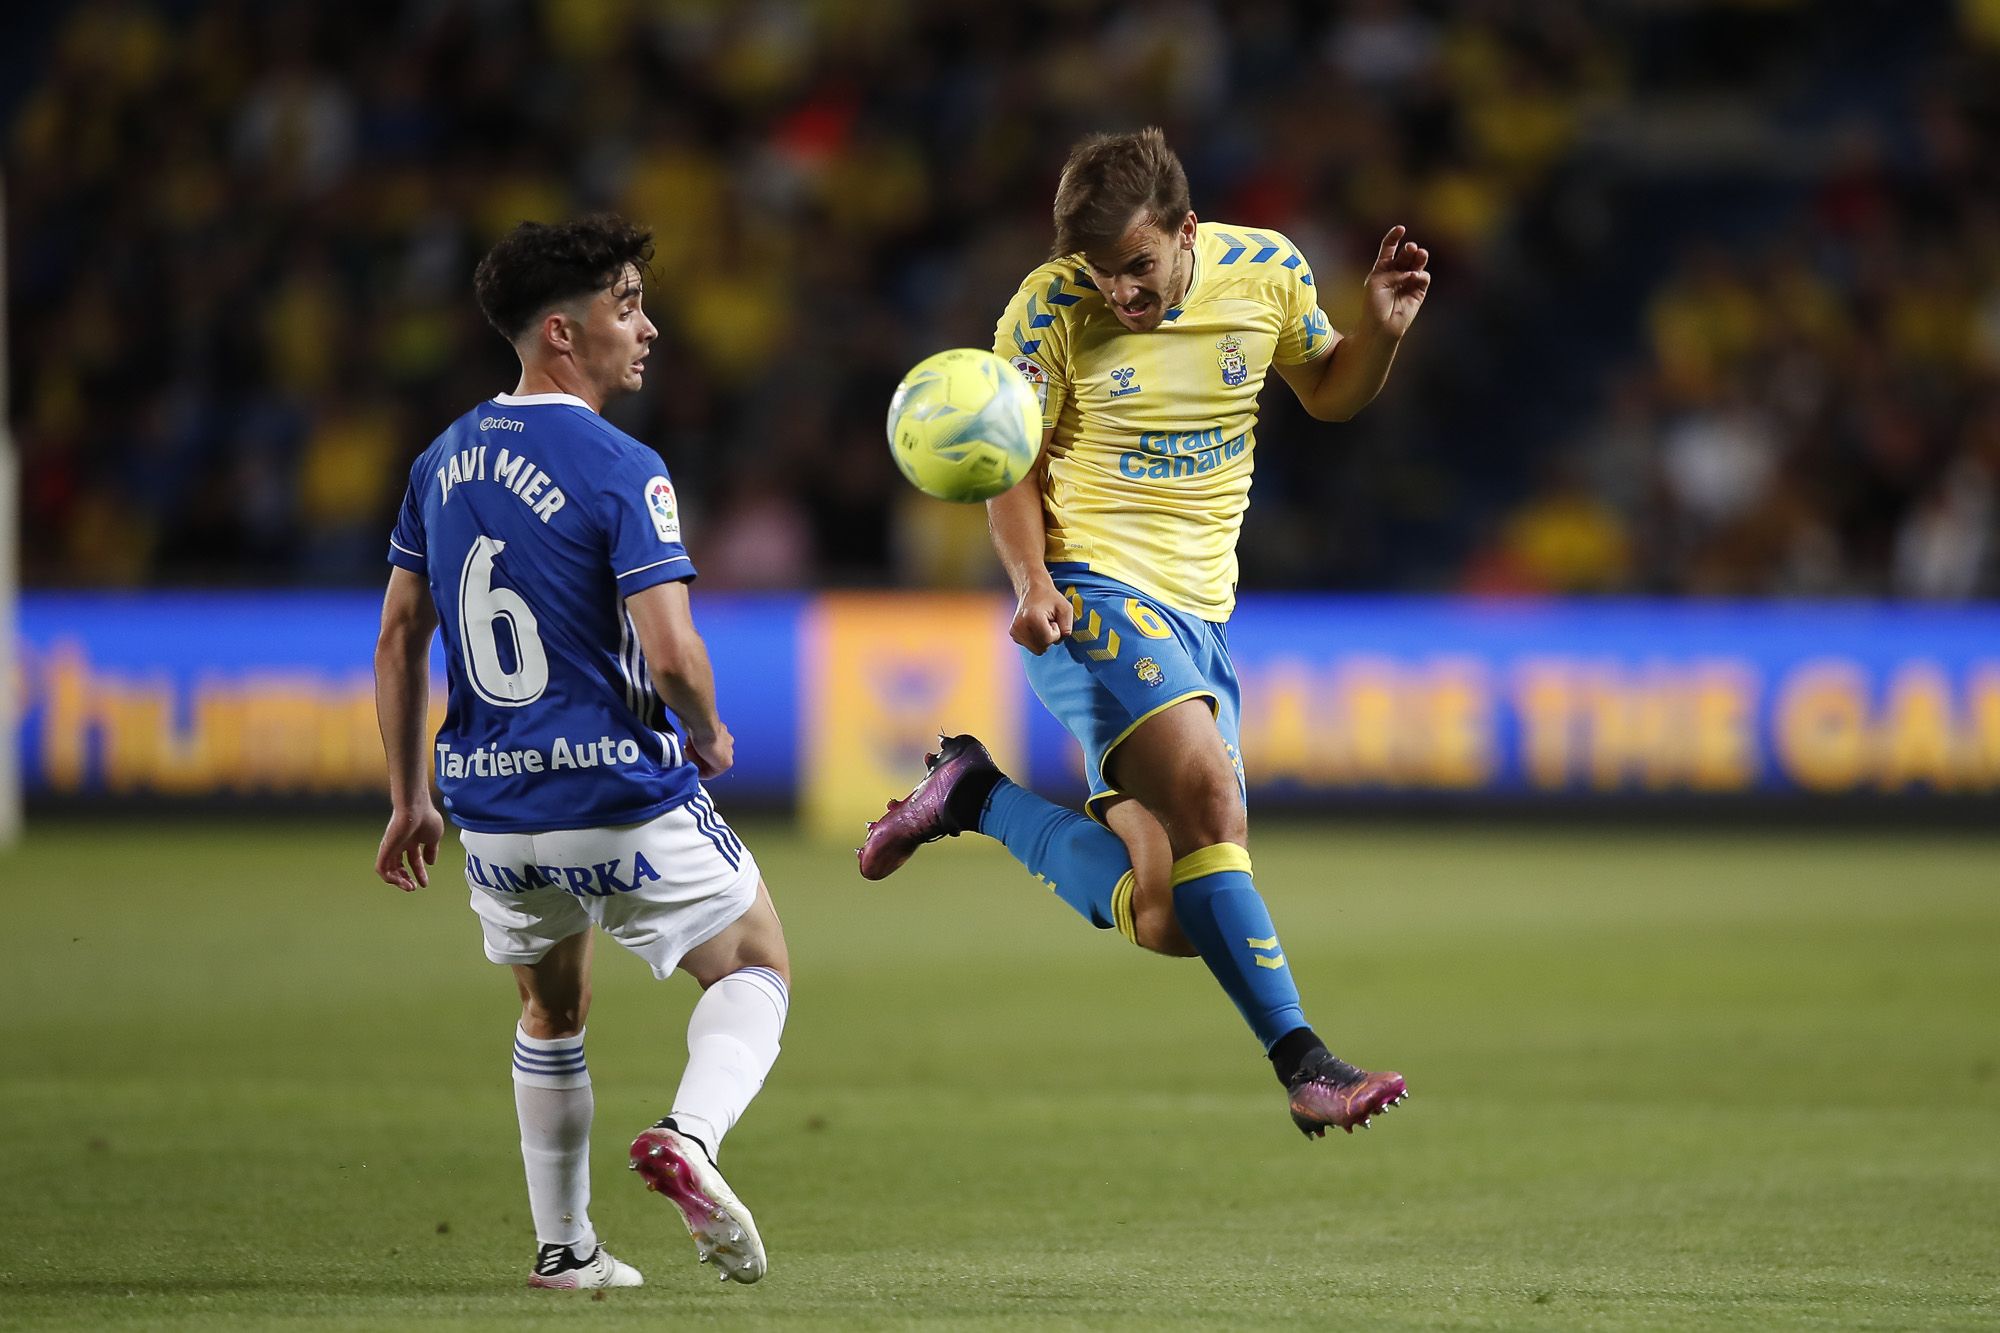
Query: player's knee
(755, 939)
(1210, 810)
(765, 948)
(1207, 807)
(548, 1021)
(766, 961)
(1154, 925)
(1160, 931)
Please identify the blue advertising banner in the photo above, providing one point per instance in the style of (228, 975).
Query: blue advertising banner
(212, 695)
(1617, 698)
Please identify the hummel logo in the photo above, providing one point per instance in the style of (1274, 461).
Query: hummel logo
(1124, 376)
(1262, 948)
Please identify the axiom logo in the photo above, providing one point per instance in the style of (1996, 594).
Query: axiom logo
(501, 423)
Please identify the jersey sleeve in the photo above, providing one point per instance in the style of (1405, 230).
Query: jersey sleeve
(1034, 339)
(406, 541)
(642, 523)
(1303, 334)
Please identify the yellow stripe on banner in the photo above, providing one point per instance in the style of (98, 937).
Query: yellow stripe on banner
(1208, 860)
(1262, 961)
(1121, 906)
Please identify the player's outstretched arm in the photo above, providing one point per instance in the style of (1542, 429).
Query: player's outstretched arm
(1020, 535)
(402, 705)
(678, 660)
(1346, 379)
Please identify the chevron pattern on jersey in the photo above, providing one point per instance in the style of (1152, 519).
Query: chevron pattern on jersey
(1040, 316)
(1261, 249)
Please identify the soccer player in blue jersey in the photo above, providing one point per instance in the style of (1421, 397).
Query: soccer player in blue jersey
(1147, 339)
(545, 544)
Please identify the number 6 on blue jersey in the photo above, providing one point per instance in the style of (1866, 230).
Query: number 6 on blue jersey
(481, 609)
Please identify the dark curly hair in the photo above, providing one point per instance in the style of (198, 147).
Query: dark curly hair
(538, 265)
(1107, 179)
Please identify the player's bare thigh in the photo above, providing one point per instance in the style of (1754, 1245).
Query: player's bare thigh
(755, 939)
(1177, 766)
(555, 989)
(1153, 918)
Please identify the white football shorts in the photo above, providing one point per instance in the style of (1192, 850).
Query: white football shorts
(659, 888)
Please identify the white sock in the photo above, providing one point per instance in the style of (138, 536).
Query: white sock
(553, 1098)
(732, 1042)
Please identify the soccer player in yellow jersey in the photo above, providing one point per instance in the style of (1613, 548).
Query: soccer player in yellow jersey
(1147, 340)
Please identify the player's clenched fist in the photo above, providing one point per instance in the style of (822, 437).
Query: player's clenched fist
(712, 753)
(1042, 618)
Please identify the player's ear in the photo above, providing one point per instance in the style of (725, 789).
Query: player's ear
(1186, 236)
(556, 331)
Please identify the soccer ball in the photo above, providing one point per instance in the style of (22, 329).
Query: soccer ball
(964, 426)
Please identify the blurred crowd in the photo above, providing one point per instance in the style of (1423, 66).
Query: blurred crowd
(1814, 404)
(1717, 306)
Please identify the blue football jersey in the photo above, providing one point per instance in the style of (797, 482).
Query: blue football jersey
(533, 518)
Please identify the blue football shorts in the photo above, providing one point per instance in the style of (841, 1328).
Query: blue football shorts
(1127, 658)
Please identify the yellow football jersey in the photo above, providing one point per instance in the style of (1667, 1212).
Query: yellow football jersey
(1149, 470)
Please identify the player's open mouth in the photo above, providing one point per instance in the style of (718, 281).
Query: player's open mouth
(1135, 311)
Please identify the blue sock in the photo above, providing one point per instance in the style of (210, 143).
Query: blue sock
(1081, 861)
(1224, 917)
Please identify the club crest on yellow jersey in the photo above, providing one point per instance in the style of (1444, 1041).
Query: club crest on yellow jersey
(1235, 366)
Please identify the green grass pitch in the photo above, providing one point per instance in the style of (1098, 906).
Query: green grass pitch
(1659, 1081)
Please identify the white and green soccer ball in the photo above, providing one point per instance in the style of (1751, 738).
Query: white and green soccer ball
(964, 426)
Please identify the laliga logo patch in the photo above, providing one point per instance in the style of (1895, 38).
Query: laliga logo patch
(666, 514)
(1037, 378)
(1235, 369)
(1149, 671)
